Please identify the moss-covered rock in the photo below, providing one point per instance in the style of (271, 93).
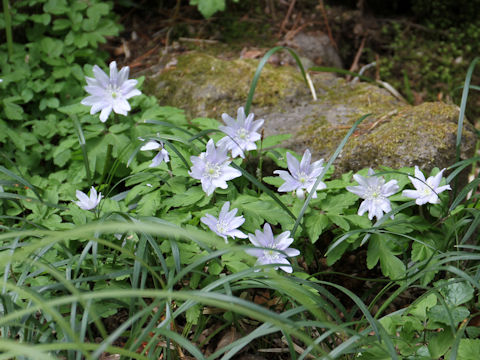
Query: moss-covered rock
(206, 86)
(394, 135)
(421, 135)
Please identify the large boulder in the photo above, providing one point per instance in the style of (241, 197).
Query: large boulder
(395, 134)
(205, 86)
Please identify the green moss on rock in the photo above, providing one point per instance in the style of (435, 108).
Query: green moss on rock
(207, 86)
(421, 135)
(394, 135)
(337, 110)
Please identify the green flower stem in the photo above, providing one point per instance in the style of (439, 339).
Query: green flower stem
(8, 28)
(81, 140)
(170, 170)
(260, 162)
(108, 157)
(106, 166)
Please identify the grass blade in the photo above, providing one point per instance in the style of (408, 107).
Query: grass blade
(261, 186)
(22, 181)
(260, 66)
(81, 140)
(325, 169)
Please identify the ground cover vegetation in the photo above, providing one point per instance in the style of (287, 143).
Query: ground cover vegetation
(129, 229)
(422, 48)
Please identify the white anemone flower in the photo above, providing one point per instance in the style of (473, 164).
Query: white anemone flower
(277, 248)
(226, 224)
(110, 93)
(88, 203)
(162, 153)
(241, 133)
(375, 192)
(301, 175)
(212, 168)
(426, 191)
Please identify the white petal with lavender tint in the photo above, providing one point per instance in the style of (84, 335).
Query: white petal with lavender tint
(226, 224)
(375, 193)
(109, 94)
(213, 168)
(241, 134)
(276, 251)
(88, 203)
(426, 191)
(301, 175)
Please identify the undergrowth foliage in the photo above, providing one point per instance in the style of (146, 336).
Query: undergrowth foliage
(142, 214)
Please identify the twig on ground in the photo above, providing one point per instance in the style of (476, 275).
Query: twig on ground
(298, 349)
(384, 117)
(206, 41)
(289, 12)
(291, 33)
(357, 57)
(325, 19)
(137, 61)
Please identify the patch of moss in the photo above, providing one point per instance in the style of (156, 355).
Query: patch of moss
(421, 135)
(207, 86)
(346, 103)
(406, 139)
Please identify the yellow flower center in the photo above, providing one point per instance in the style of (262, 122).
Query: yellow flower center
(272, 254)
(221, 227)
(242, 134)
(212, 170)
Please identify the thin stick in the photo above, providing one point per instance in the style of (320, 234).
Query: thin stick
(291, 34)
(206, 41)
(136, 62)
(357, 57)
(325, 19)
(289, 12)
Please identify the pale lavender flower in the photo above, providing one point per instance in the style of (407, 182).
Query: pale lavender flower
(302, 175)
(162, 153)
(277, 248)
(375, 192)
(88, 203)
(110, 93)
(241, 134)
(426, 191)
(212, 168)
(226, 224)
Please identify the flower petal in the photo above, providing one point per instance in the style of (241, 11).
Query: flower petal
(151, 145)
(293, 164)
(418, 174)
(100, 76)
(305, 163)
(113, 73)
(105, 113)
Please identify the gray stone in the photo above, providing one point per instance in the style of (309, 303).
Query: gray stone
(317, 47)
(395, 134)
(205, 86)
